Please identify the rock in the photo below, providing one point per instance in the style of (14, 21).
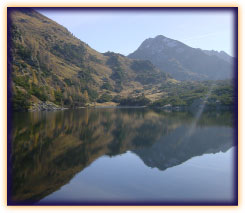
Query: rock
(168, 106)
(45, 106)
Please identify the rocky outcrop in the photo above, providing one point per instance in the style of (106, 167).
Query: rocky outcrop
(45, 106)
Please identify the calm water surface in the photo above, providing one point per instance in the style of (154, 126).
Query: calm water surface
(122, 156)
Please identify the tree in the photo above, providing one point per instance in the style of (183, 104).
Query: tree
(86, 96)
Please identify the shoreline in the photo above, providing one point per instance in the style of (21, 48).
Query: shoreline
(167, 109)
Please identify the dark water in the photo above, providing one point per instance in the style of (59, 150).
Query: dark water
(122, 156)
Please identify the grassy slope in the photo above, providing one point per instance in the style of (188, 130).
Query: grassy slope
(48, 63)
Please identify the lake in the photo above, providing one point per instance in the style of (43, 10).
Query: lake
(122, 156)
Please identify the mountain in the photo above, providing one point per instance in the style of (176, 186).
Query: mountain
(47, 63)
(183, 62)
(222, 55)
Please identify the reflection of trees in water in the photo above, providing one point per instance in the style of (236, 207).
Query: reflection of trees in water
(49, 148)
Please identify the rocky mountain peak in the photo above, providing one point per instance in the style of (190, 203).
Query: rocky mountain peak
(159, 44)
(183, 62)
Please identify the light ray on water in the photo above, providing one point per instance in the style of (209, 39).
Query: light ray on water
(199, 112)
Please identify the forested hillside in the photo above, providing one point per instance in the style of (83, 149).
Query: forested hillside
(48, 64)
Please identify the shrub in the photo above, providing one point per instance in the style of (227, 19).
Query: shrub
(58, 97)
(117, 99)
(104, 98)
(21, 81)
(93, 95)
(38, 92)
(135, 101)
(106, 86)
(68, 82)
(24, 53)
(20, 101)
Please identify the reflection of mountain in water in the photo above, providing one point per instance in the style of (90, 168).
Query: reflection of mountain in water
(174, 149)
(49, 148)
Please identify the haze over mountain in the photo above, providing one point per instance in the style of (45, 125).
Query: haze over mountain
(222, 55)
(184, 62)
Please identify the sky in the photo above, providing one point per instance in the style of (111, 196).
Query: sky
(122, 31)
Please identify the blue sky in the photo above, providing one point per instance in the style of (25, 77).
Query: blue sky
(123, 31)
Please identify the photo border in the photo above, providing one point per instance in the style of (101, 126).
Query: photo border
(236, 106)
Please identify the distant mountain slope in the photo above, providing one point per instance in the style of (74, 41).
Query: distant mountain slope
(48, 63)
(222, 55)
(181, 61)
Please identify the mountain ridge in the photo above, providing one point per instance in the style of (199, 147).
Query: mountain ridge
(220, 54)
(182, 61)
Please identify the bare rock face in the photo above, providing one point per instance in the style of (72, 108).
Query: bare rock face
(45, 106)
